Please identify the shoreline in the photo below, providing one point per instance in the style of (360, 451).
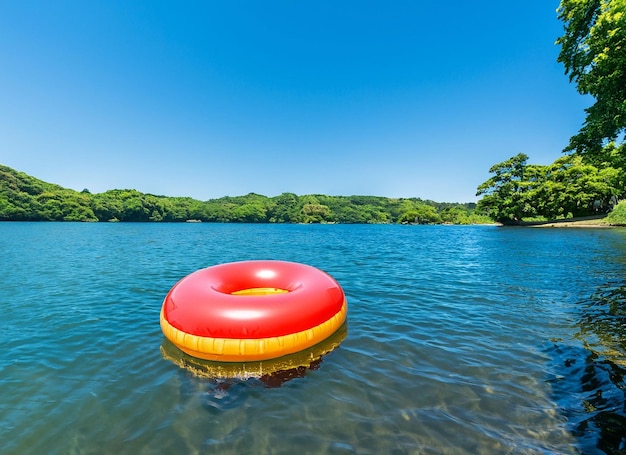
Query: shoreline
(582, 222)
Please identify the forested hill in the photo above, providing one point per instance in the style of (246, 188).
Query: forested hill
(26, 198)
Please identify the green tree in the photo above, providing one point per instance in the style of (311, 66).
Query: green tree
(285, 209)
(25, 198)
(253, 212)
(569, 187)
(456, 215)
(315, 213)
(509, 193)
(593, 51)
(421, 214)
(107, 206)
(573, 188)
(612, 159)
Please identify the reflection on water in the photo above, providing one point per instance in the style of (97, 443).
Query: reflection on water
(271, 373)
(592, 386)
(590, 392)
(603, 323)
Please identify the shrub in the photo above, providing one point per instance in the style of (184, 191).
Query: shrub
(618, 214)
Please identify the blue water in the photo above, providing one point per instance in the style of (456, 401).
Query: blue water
(460, 339)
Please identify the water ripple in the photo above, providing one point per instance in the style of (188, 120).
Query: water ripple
(461, 340)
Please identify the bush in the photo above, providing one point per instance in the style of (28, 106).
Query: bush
(618, 214)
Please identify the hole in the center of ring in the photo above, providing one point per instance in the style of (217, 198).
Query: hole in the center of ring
(259, 291)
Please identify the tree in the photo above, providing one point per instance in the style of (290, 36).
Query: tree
(569, 187)
(612, 159)
(421, 214)
(107, 206)
(253, 212)
(26, 198)
(593, 51)
(455, 215)
(508, 195)
(315, 213)
(285, 209)
(572, 188)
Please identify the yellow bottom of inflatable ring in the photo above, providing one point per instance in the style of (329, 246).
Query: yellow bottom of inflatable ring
(273, 372)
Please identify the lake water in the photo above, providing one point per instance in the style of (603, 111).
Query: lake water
(460, 339)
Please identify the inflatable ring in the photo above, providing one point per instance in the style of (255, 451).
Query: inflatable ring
(252, 310)
(262, 369)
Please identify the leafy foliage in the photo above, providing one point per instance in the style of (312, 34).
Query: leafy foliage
(507, 193)
(618, 215)
(569, 187)
(593, 179)
(25, 198)
(593, 51)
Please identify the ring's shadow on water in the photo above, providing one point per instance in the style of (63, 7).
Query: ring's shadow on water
(269, 373)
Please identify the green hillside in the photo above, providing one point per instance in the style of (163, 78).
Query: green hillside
(26, 198)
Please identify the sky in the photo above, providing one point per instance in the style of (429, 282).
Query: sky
(224, 98)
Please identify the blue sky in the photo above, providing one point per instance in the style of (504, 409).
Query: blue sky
(208, 99)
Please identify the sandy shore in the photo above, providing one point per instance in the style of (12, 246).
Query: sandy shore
(586, 222)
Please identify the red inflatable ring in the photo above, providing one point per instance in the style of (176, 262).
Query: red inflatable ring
(252, 310)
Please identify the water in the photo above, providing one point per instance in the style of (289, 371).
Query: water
(472, 339)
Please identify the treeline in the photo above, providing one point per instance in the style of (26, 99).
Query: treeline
(591, 178)
(568, 188)
(25, 198)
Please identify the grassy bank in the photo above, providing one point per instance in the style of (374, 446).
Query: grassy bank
(617, 217)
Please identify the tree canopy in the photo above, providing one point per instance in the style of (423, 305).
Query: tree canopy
(569, 187)
(25, 198)
(591, 179)
(593, 51)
